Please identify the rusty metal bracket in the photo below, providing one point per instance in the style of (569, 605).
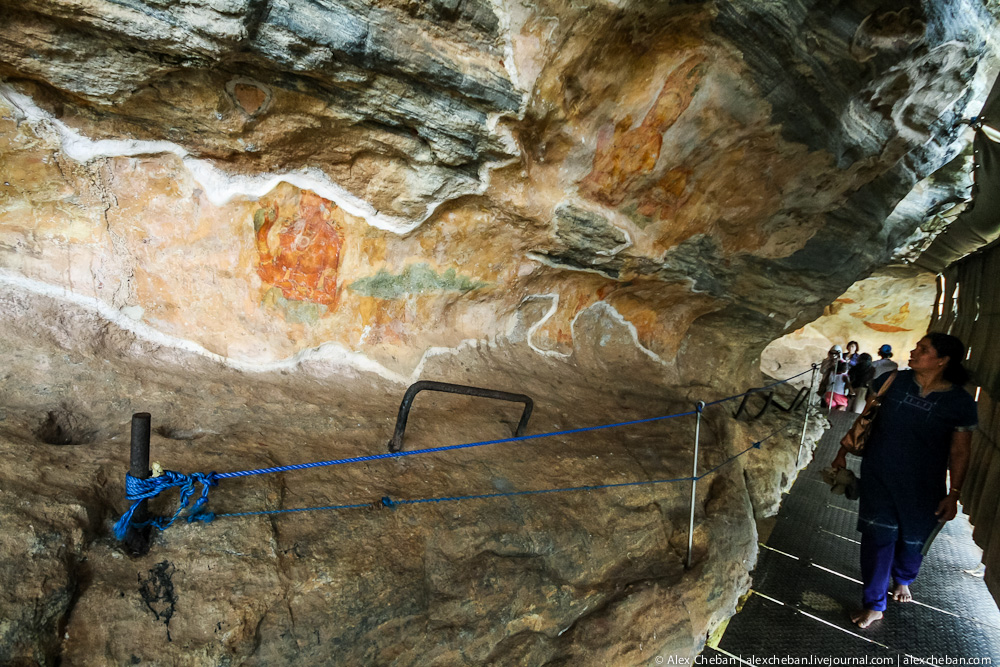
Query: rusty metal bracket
(396, 444)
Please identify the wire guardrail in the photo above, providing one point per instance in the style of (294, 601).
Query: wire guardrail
(140, 490)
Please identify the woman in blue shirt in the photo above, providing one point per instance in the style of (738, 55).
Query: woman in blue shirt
(923, 432)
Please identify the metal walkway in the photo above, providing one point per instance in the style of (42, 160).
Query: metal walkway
(807, 582)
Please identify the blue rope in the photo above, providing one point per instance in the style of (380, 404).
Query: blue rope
(431, 450)
(389, 503)
(758, 389)
(143, 489)
(755, 445)
(297, 509)
(521, 438)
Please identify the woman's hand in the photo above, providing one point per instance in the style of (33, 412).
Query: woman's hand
(947, 508)
(840, 461)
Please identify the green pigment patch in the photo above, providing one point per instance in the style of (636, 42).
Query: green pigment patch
(260, 217)
(297, 312)
(415, 279)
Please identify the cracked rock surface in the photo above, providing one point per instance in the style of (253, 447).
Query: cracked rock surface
(261, 220)
(527, 579)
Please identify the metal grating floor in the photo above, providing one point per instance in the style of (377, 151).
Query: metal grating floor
(807, 582)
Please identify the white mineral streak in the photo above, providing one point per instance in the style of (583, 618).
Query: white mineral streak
(220, 186)
(328, 352)
(542, 259)
(613, 313)
(503, 14)
(553, 307)
(323, 355)
(608, 309)
(524, 53)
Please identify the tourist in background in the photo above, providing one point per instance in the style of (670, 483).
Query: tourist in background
(839, 388)
(861, 376)
(851, 356)
(828, 367)
(884, 364)
(913, 468)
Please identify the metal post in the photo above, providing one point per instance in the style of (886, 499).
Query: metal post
(829, 388)
(694, 480)
(137, 539)
(805, 414)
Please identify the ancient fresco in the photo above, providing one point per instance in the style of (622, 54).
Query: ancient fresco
(627, 156)
(298, 249)
(891, 307)
(891, 317)
(414, 279)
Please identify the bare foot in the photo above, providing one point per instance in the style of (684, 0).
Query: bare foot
(865, 617)
(901, 593)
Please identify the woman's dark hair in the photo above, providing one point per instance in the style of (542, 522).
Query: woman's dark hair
(948, 346)
(857, 348)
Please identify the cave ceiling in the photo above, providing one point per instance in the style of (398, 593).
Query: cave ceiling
(679, 163)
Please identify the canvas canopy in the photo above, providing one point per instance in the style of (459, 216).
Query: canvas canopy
(979, 224)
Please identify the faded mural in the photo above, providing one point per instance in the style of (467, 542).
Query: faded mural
(901, 298)
(299, 251)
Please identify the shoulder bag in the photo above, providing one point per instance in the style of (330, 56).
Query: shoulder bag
(857, 436)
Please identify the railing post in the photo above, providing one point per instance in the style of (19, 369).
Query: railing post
(694, 480)
(137, 539)
(805, 412)
(829, 386)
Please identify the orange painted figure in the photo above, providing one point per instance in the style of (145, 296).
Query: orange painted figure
(300, 255)
(625, 157)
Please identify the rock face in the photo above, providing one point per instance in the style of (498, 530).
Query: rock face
(260, 220)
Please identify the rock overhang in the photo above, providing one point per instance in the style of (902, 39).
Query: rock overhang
(613, 207)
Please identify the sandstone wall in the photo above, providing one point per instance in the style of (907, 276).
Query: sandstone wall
(261, 220)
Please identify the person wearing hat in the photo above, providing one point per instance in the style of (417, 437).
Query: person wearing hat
(838, 389)
(885, 364)
(829, 367)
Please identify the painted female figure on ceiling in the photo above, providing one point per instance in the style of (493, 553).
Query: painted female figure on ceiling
(299, 249)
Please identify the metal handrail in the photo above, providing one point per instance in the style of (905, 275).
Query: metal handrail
(769, 400)
(800, 396)
(769, 397)
(396, 443)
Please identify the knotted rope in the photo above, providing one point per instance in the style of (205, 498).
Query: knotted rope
(143, 489)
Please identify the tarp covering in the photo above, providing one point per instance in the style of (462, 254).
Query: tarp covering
(981, 491)
(969, 307)
(979, 224)
(969, 298)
